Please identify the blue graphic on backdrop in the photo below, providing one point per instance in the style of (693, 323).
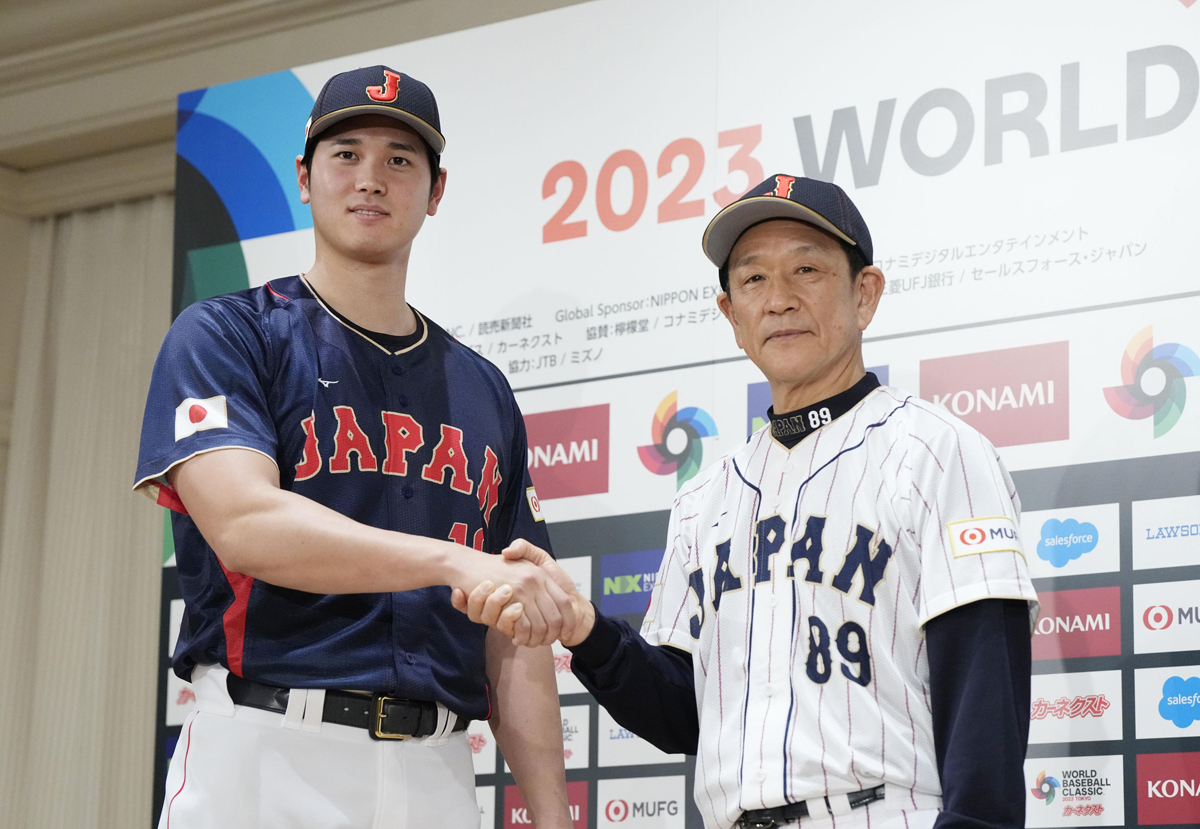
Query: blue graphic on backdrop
(758, 400)
(1064, 541)
(627, 580)
(243, 138)
(1181, 701)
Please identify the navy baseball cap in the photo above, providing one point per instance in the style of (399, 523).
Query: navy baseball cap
(819, 203)
(376, 90)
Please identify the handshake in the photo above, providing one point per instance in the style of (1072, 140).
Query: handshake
(525, 595)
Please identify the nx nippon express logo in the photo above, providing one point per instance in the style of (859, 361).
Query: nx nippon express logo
(628, 579)
(1064, 541)
(758, 399)
(1153, 380)
(1180, 703)
(1045, 788)
(1014, 396)
(568, 451)
(676, 435)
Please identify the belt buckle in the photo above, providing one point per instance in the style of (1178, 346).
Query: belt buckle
(378, 716)
(759, 823)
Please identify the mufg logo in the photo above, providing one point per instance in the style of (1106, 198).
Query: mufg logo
(1062, 542)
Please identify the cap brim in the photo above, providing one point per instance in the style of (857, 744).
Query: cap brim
(723, 231)
(423, 128)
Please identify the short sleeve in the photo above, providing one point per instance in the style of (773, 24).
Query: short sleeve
(206, 393)
(965, 517)
(674, 616)
(521, 509)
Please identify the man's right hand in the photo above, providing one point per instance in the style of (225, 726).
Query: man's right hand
(540, 606)
(497, 606)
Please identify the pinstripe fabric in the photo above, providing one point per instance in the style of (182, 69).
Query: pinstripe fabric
(857, 515)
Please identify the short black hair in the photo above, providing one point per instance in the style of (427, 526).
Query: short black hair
(435, 160)
(854, 256)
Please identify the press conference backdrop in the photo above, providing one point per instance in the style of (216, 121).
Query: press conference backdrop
(1028, 170)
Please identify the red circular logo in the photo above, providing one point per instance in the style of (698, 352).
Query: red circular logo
(616, 810)
(1157, 617)
(197, 413)
(972, 536)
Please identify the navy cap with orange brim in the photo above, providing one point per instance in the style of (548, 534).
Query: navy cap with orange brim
(818, 203)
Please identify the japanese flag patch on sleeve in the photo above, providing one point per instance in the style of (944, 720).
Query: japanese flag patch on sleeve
(984, 535)
(194, 415)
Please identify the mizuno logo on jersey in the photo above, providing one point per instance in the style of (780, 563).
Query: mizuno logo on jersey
(194, 415)
(983, 535)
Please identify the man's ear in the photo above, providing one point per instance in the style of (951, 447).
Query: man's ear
(726, 306)
(870, 288)
(302, 179)
(436, 193)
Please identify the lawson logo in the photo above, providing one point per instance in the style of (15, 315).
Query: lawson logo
(1062, 542)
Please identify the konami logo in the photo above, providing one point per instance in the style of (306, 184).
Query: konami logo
(1014, 396)
(568, 451)
(1076, 623)
(1168, 789)
(516, 815)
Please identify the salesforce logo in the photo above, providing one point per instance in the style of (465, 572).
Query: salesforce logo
(1181, 701)
(1064, 541)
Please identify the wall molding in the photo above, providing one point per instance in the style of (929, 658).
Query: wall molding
(174, 36)
(90, 182)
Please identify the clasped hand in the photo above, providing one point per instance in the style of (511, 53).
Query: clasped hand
(528, 598)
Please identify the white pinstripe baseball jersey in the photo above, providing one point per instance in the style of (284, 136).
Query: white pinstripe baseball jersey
(800, 580)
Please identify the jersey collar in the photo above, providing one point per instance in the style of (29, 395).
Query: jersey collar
(422, 325)
(790, 428)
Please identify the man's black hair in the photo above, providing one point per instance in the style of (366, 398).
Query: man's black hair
(435, 160)
(854, 256)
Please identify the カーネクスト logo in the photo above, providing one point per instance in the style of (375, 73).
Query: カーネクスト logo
(676, 435)
(1045, 788)
(1153, 380)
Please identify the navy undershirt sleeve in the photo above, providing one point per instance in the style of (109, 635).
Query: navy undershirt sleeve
(648, 689)
(979, 675)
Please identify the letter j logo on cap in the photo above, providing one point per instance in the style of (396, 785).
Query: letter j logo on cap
(194, 415)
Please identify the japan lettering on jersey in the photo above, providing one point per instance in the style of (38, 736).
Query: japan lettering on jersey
(799, 581)
(427, 440)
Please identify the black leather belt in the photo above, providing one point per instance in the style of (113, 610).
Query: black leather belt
(384, 717)
(778, 816)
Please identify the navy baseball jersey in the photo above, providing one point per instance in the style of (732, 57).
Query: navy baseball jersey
(426, 440)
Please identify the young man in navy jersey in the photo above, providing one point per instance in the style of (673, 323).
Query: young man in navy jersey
(336, 462)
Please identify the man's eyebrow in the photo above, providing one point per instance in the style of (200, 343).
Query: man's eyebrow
(801, 247)
(348, 141)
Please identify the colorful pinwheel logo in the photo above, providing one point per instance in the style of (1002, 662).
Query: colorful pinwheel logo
(1153, 378)
(1045, 788)
(676, 436)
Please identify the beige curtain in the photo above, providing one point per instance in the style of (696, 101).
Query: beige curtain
(80, 567)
